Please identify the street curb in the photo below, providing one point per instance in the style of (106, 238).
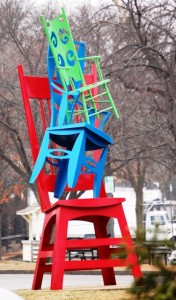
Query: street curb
(96, 272)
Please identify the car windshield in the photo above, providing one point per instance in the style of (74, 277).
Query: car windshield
(158, 220)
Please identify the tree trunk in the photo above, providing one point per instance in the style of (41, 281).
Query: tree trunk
(0, 235)
(139, 209)
(137, 181)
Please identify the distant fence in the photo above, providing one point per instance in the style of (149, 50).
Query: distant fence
(17, 237)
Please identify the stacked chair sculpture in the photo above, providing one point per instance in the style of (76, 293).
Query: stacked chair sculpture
(73, 100)
(77, 111)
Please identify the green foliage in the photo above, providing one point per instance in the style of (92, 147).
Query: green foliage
(157, 285)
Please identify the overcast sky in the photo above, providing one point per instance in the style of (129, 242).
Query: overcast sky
(72, 4)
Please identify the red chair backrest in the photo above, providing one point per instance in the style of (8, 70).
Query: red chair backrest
(36, 100)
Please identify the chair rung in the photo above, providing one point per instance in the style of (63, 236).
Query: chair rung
(98, 263)
(99, 95)
(90, 243)
(100, 111)
(94, 85)
(77, 111)
(102, 101)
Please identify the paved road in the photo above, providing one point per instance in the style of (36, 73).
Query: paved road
(15, 282)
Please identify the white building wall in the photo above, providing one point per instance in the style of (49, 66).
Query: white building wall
(80, 228)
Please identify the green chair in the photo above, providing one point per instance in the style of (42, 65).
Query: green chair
(68, 66)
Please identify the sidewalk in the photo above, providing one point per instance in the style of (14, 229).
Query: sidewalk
(21, 267)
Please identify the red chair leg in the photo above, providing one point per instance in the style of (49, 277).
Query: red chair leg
(108, 274)
(132, 256)
(59, 251)
(43, 254)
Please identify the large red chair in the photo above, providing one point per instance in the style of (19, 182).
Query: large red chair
(54, 242)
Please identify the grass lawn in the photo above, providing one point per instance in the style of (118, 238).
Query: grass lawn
(76, 294)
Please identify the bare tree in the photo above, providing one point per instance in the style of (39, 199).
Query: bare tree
(148, 69)
(138, 48)
(21, 42)
(151, 55)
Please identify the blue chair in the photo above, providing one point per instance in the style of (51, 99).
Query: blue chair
(74, 141)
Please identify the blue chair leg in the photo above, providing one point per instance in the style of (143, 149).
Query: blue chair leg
(99, 173)
(41, 158)
(76, 159)
(61, 179)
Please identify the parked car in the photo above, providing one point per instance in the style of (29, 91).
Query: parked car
(172, 258)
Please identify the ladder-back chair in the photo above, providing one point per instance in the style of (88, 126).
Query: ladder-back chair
(68, 66)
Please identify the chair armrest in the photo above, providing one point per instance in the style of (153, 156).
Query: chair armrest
(90, 58)
(96, 60)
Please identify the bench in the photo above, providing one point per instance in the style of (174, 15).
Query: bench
(157, 250)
